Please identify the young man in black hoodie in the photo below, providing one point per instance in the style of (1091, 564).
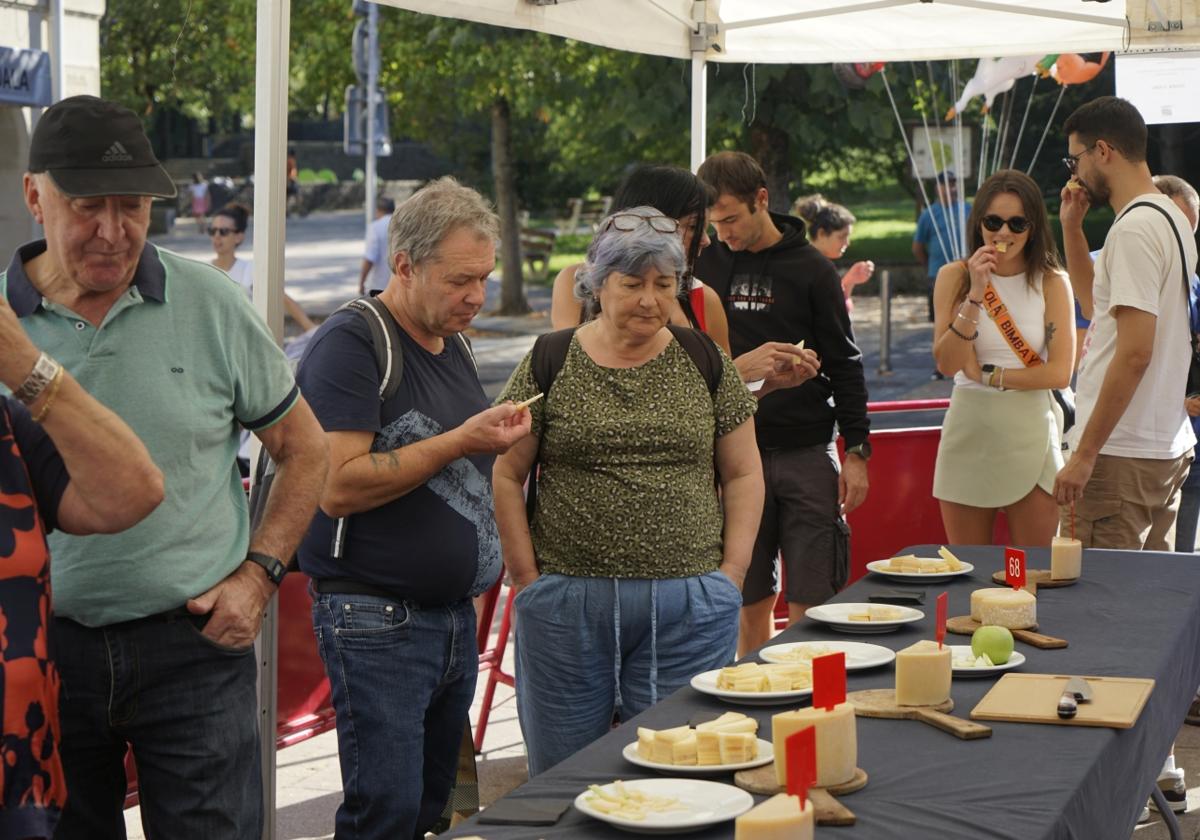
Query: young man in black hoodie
(778, 290)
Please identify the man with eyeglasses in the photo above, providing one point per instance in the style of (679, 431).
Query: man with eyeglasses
(778, 291)
(406, 534)
(155, 627)
(1131, 445)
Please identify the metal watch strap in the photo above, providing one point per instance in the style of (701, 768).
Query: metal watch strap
(863, 450)
(271, 565)
(44, 370)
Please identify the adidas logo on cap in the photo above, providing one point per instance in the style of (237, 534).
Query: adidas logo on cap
(116, 154)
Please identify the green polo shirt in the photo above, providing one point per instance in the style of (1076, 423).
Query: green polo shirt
(185, 360)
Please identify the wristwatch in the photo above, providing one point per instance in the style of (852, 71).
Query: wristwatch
(44, 370)
(863, 450)
(271, 565)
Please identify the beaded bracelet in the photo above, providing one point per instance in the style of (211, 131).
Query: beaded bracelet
(963, 337)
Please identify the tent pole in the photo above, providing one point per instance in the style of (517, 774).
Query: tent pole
(699, 106)
(273, 30)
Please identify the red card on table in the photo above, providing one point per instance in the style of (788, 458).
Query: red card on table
(829, 680)
(1014, 567)
(941, 619)
(801, 763)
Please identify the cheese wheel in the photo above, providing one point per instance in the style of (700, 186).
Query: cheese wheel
(923, 674)
(1015, 609)
(779, 818)
(837, 742)
(1066, 558)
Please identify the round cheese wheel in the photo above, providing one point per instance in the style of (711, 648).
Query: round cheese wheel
(1015, 609)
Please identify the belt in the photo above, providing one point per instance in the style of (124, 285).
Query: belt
(344, 586)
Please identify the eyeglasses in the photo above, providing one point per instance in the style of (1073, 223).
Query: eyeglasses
(216, 231)
(1017, 224)
(1072, 161)
(630, 221)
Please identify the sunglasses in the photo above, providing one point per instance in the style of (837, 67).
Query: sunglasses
(1017, 224)
(216, 231)
(630, 221)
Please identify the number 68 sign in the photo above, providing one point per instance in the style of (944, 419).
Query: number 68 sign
(1014, 567)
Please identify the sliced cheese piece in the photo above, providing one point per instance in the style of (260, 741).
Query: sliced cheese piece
(923, 674)
(708, 747)
(837, 742)
(1015, 609)
(737, 747)
(947, 555)
(779, 818)
(683, 751)
(645, 743)
(664, 743)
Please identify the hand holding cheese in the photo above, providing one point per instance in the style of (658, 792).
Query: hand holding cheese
(923, 672)
(779, 818)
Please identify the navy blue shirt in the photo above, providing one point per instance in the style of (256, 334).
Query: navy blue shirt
(438, 543)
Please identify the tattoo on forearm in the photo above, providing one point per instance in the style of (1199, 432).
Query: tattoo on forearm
(382, 460)
(1049, 332)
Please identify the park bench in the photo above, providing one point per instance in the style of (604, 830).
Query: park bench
(537, 244)
(584, 214)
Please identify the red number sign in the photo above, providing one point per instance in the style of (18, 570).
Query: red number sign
(1014, 567)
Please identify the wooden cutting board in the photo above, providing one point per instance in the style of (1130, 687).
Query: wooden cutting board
(964, 625)
(1039, 577)
(1033, 698)
(881, 703)
(830, 811)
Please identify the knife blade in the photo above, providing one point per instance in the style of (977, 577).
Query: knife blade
(1080, 688)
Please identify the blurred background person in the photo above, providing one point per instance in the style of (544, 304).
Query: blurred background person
(680, 195)
(829, 229)
(1001, 444)
(228, 231)
(200, 199)
(629, 571)
(375, 268)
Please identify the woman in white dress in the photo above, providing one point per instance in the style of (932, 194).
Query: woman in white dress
(228, 231)
(1004, 330)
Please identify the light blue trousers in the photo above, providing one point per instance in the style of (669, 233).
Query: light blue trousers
(591, 648)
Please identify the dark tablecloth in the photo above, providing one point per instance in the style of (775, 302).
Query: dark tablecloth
(1132, 614)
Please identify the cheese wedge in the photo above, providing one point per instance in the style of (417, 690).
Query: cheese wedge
(923, 674)
(645, 743)
(664, 743)
(779, 818)
(837, 742)
(1001, 247)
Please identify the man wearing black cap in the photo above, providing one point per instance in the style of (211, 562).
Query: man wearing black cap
(155, 627)
(936, 241)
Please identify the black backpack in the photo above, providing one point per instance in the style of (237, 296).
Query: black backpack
(389, 360)
(550, 352)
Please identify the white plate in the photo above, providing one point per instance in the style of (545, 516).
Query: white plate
(1015, 661)
(701, 803)
(766, 754)
(879, 568)
(837, 616)
(707, 684)
(859, 655)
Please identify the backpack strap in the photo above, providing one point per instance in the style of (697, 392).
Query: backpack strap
(385, 340)
(1178, 240)
(703, 352)
(548, 356)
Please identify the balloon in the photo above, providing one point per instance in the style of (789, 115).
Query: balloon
(993, 76)
(1075, 69)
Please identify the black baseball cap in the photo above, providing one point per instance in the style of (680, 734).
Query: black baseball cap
(947, 175)
(93, 147)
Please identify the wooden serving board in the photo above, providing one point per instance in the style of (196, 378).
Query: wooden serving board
(1033, 698)
(881, 703)
(964, 625)
(1040, 577)
(830, 811)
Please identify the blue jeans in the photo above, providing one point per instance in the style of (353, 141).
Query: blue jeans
(403, 678)
(587, 648)
(1189, 511)
(189, 709)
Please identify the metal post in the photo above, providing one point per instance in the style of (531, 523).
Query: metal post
(58, 67)
(885, 321)
(372, 98)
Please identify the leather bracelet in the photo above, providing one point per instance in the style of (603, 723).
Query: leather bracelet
(55, 383)
(978, 303)
(963, 337)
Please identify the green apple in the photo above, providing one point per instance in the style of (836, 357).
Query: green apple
(994, 642)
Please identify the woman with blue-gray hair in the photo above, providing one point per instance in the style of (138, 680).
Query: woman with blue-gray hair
(628, 568)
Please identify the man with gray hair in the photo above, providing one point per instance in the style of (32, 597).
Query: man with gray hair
(406, 533)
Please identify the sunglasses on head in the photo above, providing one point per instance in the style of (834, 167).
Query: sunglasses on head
(216, 231)
(630, 221)
(1017, 224)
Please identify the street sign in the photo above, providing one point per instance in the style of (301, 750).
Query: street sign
(354, 123)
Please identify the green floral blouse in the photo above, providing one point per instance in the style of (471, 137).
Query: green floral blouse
(627, 482)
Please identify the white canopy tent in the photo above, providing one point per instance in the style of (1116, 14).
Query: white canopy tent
(742, 31)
